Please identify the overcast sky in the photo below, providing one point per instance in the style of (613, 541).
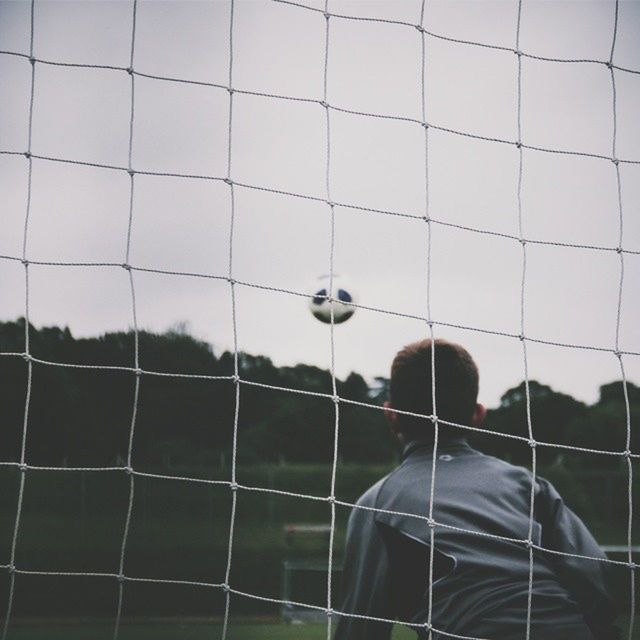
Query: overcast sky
(80, 213)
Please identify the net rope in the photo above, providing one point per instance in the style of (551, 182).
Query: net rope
(334, 387)
(136, 335)
(23, 446)
(236, 361)
(616, 164)
(523, 281)
(139, 373)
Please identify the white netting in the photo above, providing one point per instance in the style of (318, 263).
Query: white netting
(423, 128)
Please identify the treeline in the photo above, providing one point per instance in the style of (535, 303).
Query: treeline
(83, 416)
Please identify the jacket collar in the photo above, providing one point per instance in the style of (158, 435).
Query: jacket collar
(426, 446)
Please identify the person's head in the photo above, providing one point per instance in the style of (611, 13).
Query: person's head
(410, 389)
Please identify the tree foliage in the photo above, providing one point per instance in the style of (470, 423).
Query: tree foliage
(82, 416)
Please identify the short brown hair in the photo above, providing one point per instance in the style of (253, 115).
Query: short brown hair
(456, 385)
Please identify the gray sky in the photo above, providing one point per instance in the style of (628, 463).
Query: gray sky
(80, 213)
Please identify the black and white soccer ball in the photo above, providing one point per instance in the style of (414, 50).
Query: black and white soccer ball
(340, 300)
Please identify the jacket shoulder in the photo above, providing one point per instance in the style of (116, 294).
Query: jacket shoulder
(370, 497)
(502, 466)
(520, 474)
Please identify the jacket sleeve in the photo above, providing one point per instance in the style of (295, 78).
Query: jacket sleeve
(365, 581)
(586, 580)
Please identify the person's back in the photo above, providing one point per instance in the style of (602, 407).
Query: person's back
(480, 585)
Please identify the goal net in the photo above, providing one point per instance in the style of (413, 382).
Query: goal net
(474, 168)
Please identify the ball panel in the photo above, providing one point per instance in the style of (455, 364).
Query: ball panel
(344, 296)
(319, 297)
(340, 314)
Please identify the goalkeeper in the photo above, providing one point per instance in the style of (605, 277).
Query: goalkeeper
(480, 583)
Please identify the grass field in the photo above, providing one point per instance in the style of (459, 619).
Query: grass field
(172, 630)
(179, 531)
(192, 630)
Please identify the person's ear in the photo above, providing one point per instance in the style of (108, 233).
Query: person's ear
(479, 415)
(390, 414)
(392, 419)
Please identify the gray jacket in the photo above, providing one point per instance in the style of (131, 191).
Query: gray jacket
(480, 585)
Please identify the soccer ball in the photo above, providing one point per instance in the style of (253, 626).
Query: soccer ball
(321, 307)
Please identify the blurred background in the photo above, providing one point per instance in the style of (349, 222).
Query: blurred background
(80, 306)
